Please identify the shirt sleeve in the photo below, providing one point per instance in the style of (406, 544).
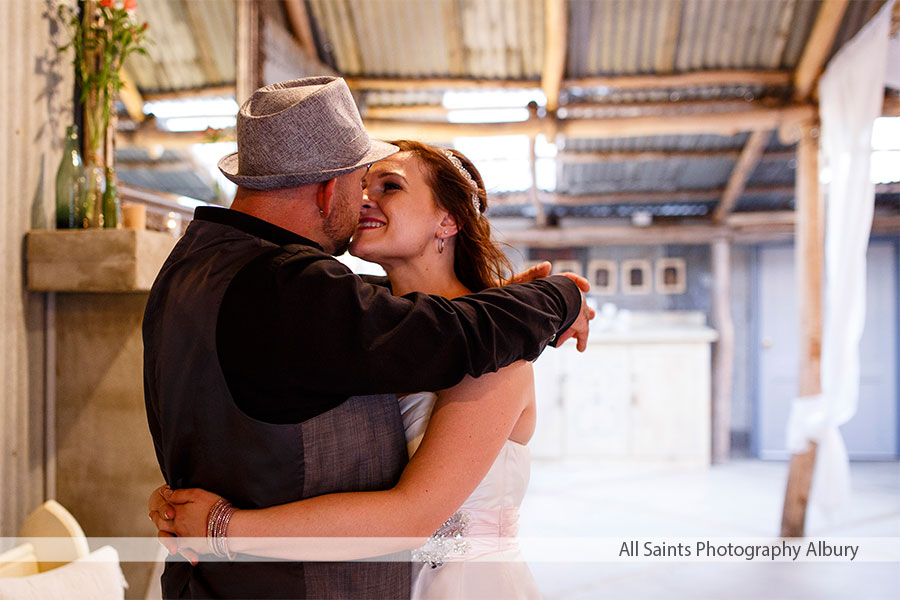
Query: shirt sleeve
(337, 334)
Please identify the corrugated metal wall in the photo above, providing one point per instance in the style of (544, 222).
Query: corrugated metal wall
(35, 91)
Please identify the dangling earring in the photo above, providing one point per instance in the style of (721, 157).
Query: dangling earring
(440, 245)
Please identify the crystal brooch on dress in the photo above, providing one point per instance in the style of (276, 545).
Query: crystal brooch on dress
(448, 539)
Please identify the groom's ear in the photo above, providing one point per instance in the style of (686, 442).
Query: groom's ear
(324, 196)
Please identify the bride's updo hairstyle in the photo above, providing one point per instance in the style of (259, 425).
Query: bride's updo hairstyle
(478, 261)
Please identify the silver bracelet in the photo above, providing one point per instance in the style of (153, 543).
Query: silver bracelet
(217, 528)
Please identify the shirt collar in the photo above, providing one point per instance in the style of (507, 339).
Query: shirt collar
(252, 225)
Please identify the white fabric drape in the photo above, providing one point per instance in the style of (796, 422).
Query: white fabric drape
(851, 93)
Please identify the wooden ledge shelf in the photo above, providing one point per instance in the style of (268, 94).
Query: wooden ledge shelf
(95, 260)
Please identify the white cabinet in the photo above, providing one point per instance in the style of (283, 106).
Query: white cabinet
(640, 394)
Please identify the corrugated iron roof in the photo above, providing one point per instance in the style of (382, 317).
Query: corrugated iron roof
(504, 40)
(194, 45)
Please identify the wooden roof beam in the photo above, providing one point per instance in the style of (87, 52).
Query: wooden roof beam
(654, 197)
(750, 156)
(740, 228)
(131, 97)
(146, 137)
(405, 84)
(679, 80)
(620, 82)
(584, 110)
(555, 40)
(299, 19)
(574, 156)
(203, 92)
(821, 39)
(724, 123)
(721, 123)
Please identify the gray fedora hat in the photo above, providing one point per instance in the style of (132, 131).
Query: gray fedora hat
(299, 132)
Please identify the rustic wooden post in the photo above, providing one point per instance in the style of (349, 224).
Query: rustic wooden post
(248, 49)
(555, 35)
(809, 258)
(540, 215)
(723, 351)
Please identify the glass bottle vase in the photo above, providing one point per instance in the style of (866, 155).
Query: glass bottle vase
(70, 182)
(112, 207)
(90, 212)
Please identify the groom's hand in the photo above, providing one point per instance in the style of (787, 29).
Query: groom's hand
(580, 328)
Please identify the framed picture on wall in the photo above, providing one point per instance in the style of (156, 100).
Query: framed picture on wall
(567, 266)
(671, 276)
(603, 276)
(636, 276)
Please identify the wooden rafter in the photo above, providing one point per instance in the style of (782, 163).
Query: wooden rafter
(678, 80)
(724, 123)
(821, 39)
(555, 38)
(582, 110)
(299, 18)
(391, 84)
(621, 82)
(633, 109)
(570, 156)
(750, 156)
(740, 227)
(146, 137)
(204, 92)
(131, 97)
(683, 196)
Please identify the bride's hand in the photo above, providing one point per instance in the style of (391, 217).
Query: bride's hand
(183, 514)
(161, 514)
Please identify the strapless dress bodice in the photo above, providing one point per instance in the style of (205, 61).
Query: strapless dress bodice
(475, 554)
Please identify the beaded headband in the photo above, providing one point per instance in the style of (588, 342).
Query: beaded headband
(468, 177)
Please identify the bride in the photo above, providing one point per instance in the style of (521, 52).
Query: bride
(422, 221)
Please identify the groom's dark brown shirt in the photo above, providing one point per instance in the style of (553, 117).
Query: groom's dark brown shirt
(264, 363)
(277, 341)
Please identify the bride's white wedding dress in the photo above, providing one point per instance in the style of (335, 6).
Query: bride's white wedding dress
(476, 551)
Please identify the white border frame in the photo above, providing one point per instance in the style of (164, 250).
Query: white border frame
(627, 267)
(567, 265)
(680, 285)
(610, 265)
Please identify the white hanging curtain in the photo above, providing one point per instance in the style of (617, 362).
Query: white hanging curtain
(851, 92)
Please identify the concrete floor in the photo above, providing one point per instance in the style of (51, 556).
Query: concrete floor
(741, 499)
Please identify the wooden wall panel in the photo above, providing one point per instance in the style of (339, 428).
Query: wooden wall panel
(36, 104)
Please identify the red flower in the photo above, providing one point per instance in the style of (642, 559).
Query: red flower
(130, 5)
(107, 4)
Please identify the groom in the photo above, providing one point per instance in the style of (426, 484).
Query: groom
(269, 367)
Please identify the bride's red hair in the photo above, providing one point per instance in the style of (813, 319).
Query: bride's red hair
(478, 261)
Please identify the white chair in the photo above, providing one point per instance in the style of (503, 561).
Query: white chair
(33, 571)
(50, 520)
(18, 562)
(68, 541)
